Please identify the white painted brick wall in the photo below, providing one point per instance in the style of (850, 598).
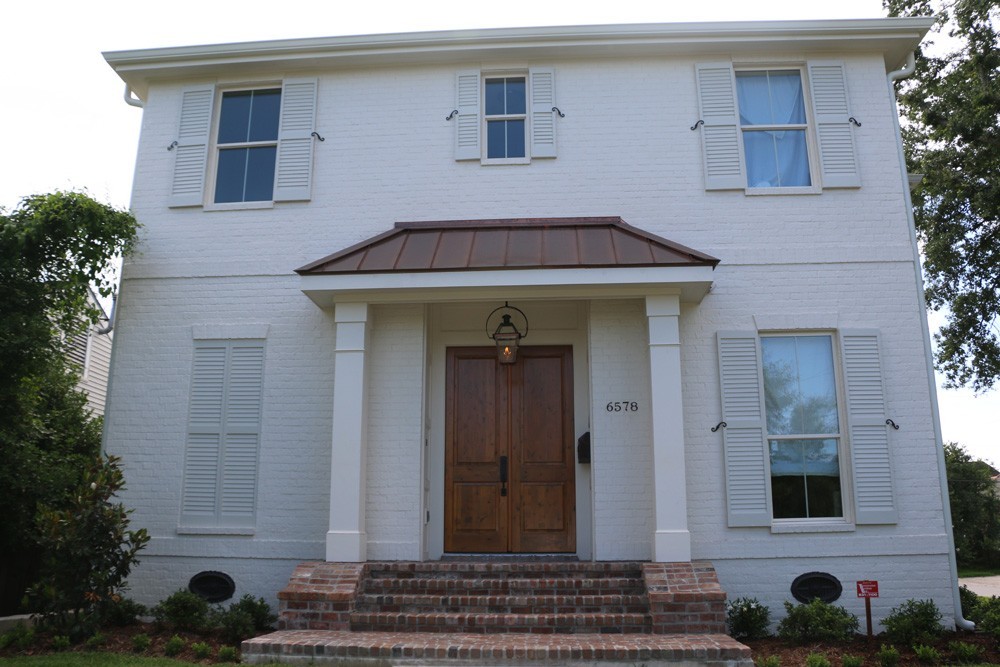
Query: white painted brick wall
(624, 149)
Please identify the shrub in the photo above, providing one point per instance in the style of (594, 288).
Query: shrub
(174, 646)
(913, 621)
(141, 642)
(817, 621)
(96, 640)
(60, 643)
(769, 661)
(235, 625)
(121, 612)
(227, 654)
(747, 618)
(927, 655)
(970, 603)
(21, 637)
(888, 656)
(851, 661)
(201, 650)
(259, 611)
(817, 660)
(183, 610)
(988, 616)
(964, 652)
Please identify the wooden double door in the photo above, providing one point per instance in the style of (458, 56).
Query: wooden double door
(509, 455)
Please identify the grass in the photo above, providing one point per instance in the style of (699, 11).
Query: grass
(90, 660)
(978, 571)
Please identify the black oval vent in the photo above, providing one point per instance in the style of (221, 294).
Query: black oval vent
(212, 586)
(820, 585)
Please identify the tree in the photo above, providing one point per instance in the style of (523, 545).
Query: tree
(952, 137)
(52, 248)
(975, 508)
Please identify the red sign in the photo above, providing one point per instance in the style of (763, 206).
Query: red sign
(867, 589)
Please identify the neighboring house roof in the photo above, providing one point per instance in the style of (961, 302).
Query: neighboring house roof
(895, 38)
(530, 243)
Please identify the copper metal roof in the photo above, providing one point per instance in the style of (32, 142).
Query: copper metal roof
(527, 243)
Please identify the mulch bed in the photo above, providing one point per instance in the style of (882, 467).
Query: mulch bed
(794, 655)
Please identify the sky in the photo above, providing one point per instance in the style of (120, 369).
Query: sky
(67, 127)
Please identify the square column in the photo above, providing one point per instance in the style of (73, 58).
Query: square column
(671, 541)
(346, 540)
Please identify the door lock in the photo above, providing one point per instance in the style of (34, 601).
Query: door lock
(503, 475)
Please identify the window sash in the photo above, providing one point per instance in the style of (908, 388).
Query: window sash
(261, 194)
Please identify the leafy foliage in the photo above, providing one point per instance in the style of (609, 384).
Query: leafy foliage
(953, 138)
(964, 652)
(748, 618)
(817, 621)
(851, 660)
(767, 661)
(174, 646)
(183, 610)
(817, 660)
(887, 656)
(927, 655)
(988, 616)
(88, 552)
(975, 508)
(141, 642)
(970, 603)
(201, 650)
(913, 621)
(227, 654)
(244, 619)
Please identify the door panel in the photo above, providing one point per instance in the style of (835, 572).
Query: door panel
(522, 411)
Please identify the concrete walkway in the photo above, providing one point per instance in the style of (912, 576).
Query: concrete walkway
(988, 586)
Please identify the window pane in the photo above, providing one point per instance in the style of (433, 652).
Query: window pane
(495, 97)
(770, 98)
(515, 138)
(496, 139)
(805, 479)
(516, 96)
(260, 174)
(264, 115)
(230, 175)
(234, 118)
(800, 392)
(787, 107)
(753, 98)
(776, 159)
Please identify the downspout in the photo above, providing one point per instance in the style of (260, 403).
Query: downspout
(918, 274)
(130, 100)
(111, 317)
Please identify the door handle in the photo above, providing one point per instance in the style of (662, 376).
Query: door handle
(503, 475)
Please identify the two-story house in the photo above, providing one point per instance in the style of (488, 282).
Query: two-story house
(618, 293)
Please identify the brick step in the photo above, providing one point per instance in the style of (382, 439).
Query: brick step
(505, 604)
(505, 569)
(381, 648)
(496, 623)
(490, 586)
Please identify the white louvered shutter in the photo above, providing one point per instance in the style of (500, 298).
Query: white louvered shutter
(242, 434)
(293, 171)
(720, 135)
(747, 468)
(543, 118)
(834, 132)
(204, 437)
(874, 499)
(191, 152)
(467, 120)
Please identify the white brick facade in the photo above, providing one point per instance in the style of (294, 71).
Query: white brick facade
(835, 259)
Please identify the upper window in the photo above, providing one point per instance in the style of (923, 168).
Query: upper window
(506, 117)
(247, 145)
(803, 426)
(773, 122)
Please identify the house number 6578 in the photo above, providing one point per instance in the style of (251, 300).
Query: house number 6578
(622, 406)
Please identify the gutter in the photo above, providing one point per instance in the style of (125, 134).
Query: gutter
(894, 76)
(132, 100)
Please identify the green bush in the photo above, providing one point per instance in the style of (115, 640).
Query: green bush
(913, 621)
(183, 610)
(21, 637)
(121, 612)
(964, 652)
(817, 621)
(259, 611)
(227, 654)
(851, 661)
(769, 661)
(201, 650)
(887, 656)
(96, 640)
(970, 603)
(927, 655)
(817, 660)
(141, 642)
(988, 616)
(60, 643)
(234, 624)
(174, 646)
(746, 618)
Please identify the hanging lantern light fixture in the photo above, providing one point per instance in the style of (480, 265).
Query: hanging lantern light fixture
(506, 335)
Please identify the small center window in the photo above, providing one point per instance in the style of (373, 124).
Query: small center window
(803, 426)
(773, 122)
(247, 145)
(506, 117)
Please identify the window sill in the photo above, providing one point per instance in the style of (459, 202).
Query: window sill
(215, 530)
(239, 206)
(810, 190)
(792, 526)
(502, 161)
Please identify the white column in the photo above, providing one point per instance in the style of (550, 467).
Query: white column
(346, 539)
(672, 541)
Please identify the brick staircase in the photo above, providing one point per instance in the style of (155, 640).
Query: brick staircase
(500, 611)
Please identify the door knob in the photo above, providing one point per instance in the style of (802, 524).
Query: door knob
(503, 475)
